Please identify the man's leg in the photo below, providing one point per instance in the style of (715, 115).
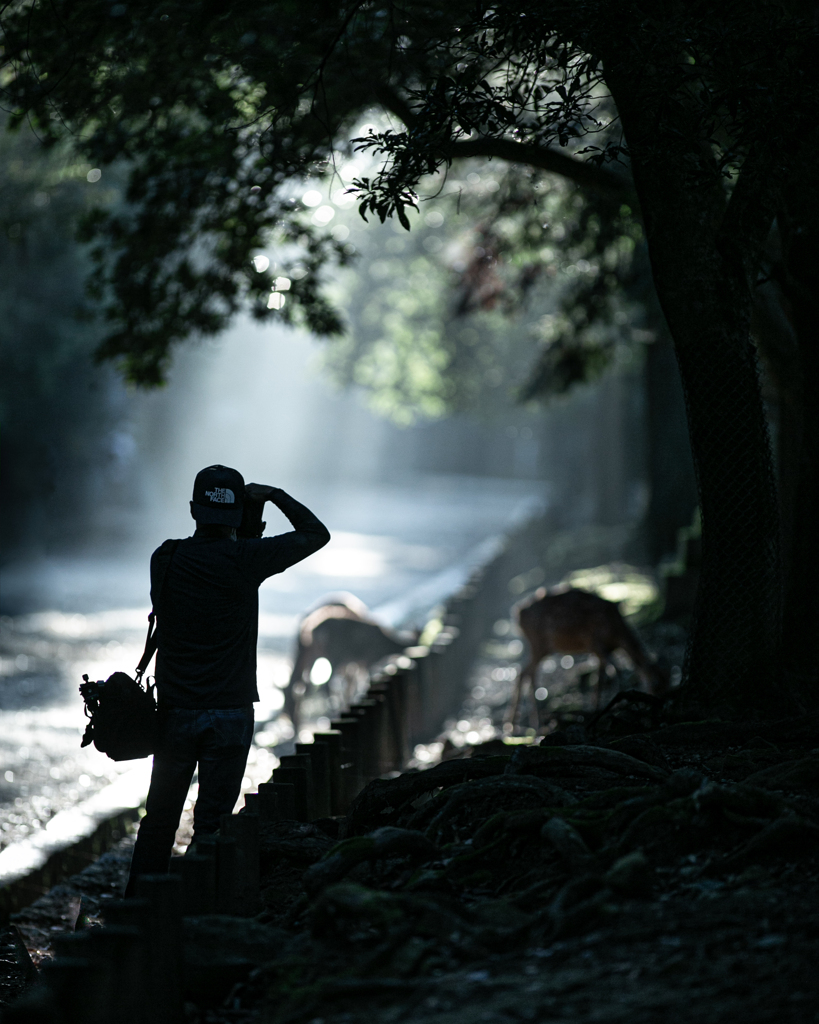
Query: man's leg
(174, 764)
(224, 739)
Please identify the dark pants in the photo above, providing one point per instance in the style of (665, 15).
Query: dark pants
(218, 739)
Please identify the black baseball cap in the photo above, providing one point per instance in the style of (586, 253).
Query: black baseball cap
(218, 494)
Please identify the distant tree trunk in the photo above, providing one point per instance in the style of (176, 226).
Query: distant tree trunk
(704, 293)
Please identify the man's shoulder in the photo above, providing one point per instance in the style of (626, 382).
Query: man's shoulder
(167, 547)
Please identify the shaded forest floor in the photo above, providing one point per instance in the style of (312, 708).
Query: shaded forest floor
(668, 874)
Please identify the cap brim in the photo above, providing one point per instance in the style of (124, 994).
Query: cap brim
(220, 516)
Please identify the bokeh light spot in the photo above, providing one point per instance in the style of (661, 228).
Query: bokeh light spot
(323, 215)
(320, 672)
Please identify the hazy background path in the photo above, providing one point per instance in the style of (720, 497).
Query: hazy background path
(88, 614)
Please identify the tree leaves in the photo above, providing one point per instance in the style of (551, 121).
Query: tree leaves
(202, 104)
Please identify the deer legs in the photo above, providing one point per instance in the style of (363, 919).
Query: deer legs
(525, 683)
(603, 662)
(517, 691)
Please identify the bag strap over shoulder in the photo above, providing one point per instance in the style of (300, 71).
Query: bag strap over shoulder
(151, 639)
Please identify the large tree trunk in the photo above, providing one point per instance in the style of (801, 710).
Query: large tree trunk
(798, 278)
(673, 497)
(704, 294)
(735, 638)
(775, 336)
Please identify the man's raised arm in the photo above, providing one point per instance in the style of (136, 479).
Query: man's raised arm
(309, 533)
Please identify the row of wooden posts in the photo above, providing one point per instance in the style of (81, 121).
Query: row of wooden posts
(130, 971)
(322, 778)
(405, 705)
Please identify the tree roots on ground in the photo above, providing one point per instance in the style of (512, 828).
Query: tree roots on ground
(531, 850)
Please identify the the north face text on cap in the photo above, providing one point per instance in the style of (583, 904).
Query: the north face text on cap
(221, 496)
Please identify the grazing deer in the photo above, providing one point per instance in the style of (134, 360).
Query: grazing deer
(571, 621)
(342, 631)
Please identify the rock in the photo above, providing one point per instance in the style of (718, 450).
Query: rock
(685, 781)
(348, 912)
(803, 774)
(17, 971)
(540, 760)
(382, 843)
(500, 922)
(296, 841)
(631, 875)
(394, 796)
(568, 842)
(789, 834)
(748, 801)
(665, 830)
(464, 807)
(643, 748)
(407, 958)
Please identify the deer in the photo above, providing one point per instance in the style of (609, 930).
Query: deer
(341, 630)
(572, 621)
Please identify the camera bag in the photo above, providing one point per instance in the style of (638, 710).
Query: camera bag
(121, 711)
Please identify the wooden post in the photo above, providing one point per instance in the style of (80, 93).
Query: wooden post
(385, 753)
(223, 851)
(120, 951)
(198, 875)
(331, 740)
(320, 768)
(77, 991)
(366, 712)
(244, 828)
(298, 780)
(277, 801)
(163, 988)
(419, 681)
(304, 761)
(133, 912)
(350, 767)
(398, 715)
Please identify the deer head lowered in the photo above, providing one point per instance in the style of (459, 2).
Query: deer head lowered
(572, 621)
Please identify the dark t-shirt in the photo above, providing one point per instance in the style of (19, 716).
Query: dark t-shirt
(208, 612)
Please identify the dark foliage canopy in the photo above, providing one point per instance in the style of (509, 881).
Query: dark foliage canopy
(216, 110)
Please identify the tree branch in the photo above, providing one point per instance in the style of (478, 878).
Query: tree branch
(597, 179)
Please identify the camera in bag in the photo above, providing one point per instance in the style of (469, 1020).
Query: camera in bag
(123, 717)
(123, 713)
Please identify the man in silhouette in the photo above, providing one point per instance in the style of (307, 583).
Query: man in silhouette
(205, 594)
